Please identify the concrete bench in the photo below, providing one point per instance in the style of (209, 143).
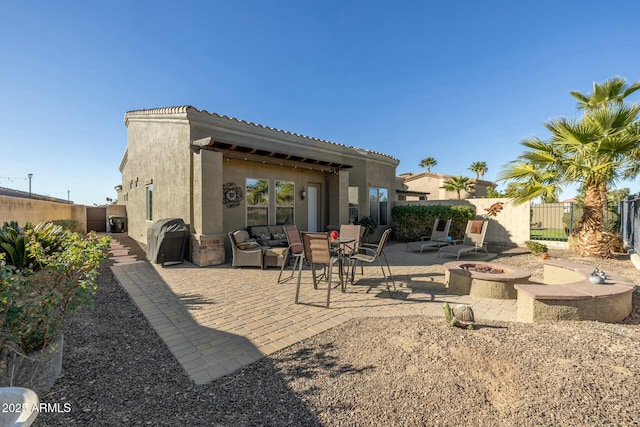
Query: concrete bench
(567, 294)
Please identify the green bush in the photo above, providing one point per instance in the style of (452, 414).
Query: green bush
(13, 241)
(59, 277)
(369, 225)
(412, 222)
(536, 248)
(72, 225)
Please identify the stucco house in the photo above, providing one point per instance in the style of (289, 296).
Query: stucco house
(221, 174)
(430, 183)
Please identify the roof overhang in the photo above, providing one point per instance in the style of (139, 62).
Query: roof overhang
(265, 156)
(412, 193)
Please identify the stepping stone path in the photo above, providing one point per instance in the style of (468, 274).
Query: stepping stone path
(120, 253)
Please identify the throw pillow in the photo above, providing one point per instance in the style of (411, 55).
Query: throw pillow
(280, 236)
(264, 236)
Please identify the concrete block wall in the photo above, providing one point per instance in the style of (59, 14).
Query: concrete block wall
(36, 211)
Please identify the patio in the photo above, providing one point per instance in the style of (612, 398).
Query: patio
(216, 320)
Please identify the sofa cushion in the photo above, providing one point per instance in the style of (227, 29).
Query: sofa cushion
(268, 235)
(279, 236)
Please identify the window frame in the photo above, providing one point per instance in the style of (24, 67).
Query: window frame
(149, 202)
(250, 206)
(375, 202)
(282, 207)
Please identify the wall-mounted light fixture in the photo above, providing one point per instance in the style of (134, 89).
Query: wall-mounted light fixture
(303, 194)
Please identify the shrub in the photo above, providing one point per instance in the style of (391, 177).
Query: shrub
(369, 225)
(13, 241)
(412, 222)
(60, 277)
(72, 225)
(536, 248)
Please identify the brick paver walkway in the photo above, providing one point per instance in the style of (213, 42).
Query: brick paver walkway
(217, 319)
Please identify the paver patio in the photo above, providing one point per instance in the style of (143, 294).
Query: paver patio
(217, 319)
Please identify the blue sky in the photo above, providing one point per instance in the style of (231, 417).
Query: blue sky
(461, 82)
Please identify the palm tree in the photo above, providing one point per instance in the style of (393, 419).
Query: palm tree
(594, 151)
(480, 168)
(613, 91)
(458, 184)
(428, 163)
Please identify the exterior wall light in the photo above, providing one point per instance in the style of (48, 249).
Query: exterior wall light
(303, 194)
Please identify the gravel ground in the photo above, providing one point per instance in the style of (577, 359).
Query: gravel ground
(392, 371)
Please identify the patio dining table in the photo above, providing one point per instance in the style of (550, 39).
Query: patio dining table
(339, 245)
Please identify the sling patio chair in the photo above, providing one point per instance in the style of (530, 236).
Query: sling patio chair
(371, 253)
(473, 240)
(348, 249)
(295, 250)
(438, 238)
(317, 252)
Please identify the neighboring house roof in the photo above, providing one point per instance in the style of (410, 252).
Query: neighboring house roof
(410, 176)
(25, 195)
(190, 112)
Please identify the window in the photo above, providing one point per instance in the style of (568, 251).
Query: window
(353, 205)
(149, 191)
(285, 197)
(379, 205)
(257, 201)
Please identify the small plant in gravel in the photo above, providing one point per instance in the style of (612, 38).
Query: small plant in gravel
(536, 248)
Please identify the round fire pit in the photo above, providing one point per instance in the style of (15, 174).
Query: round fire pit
(484, 279)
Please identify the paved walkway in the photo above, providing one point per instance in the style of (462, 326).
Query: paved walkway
(217, 319)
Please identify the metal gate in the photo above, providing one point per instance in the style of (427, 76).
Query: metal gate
(96, 219)
(631, 221)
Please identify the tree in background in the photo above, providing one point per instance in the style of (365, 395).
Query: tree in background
(594, 151)
(458, 184)
(480, 168)
(428, 163)
(510, 192)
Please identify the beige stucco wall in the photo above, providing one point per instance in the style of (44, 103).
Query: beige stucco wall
(36, 211)
(511, 225)
(160, 156)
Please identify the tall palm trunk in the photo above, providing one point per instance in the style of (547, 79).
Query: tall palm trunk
(591, 238)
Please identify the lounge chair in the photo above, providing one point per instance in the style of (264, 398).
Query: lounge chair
(473, 240)
(438, 237)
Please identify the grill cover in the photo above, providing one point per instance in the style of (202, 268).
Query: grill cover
(167, 240)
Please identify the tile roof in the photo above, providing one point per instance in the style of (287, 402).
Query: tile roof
(186, 108)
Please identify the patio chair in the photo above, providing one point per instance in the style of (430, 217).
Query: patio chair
(295, 249)
(246, 253)
(437, 239)
(352, 232)
(317, 253)
(473, 240)
(371, 253)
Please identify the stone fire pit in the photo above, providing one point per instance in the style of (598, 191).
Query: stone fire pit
(484, 279)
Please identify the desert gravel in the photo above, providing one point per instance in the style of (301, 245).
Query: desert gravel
(401, 371)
